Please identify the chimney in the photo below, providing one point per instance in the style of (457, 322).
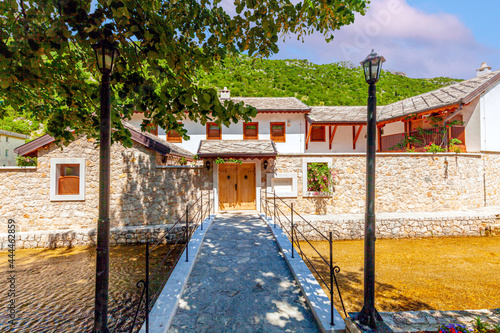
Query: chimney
(225, 94)
(483, 70)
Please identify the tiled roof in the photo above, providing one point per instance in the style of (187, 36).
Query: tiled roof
(337, 114)
(152, 141)
(462, 92)
(273, 104)
(237, 148)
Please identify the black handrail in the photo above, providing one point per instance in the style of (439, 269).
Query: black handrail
(190, 223)
(293, 232)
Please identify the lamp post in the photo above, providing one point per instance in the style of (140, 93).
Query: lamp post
(369, 319)
(105, 53)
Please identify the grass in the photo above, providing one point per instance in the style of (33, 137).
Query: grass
(418, 274)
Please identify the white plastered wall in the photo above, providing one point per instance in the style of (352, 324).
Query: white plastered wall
(490, 118)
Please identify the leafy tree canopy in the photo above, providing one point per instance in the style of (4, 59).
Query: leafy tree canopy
(47, 65)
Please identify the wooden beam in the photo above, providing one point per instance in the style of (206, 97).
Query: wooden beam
(308, 135)
(379, 138)
(356, 137)
(332, 135)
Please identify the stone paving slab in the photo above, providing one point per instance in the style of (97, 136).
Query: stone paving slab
(416, 321)
(241, 283)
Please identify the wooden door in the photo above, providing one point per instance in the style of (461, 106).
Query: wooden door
(237, 186)
(246, 186)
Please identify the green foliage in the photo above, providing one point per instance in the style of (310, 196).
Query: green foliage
(434, 148)
(320, 178)
(47, 65)
(481, 326)
(182, 161)
(26, 161)
(331, 84)
(22, 122)
(220, 160)
(453, 146)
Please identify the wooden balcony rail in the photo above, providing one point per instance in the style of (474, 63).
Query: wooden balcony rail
(396, 142)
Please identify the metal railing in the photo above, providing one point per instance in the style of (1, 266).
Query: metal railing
(192, 218)
(271, 206)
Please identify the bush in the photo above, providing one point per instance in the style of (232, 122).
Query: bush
(320, 178)
(26, 161)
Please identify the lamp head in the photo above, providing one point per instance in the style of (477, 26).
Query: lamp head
(105, 53)
(372, 66)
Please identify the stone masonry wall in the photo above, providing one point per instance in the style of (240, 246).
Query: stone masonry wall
(141, 192)
(404, 183)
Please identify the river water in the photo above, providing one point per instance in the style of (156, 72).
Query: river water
(55, 288)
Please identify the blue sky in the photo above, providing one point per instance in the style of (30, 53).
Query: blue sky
(423, 38)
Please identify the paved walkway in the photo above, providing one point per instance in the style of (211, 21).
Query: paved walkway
(241, 283)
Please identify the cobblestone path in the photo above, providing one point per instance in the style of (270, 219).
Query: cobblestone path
(241, 283)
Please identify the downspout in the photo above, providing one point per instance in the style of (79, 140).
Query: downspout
(460, 107)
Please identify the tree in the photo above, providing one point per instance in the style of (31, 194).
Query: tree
(47, 65)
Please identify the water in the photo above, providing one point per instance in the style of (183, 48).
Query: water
(55, 288)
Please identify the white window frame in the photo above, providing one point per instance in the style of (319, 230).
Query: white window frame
(305, 192)
(293, 176)
(54, 162)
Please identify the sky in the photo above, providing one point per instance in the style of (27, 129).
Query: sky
(422, 38)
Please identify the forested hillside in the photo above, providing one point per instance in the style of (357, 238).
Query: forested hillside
(331, 84)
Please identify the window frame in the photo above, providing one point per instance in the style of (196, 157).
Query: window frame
(208, 131)
(54, 178)
(174, 139)
(283, 139)
(245, 136)
(320, 128)
(305, 162)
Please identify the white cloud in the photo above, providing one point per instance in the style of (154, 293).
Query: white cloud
(418, 43)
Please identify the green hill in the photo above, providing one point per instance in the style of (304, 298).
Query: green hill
(331, 84)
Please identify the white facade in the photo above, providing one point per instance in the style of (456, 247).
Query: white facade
(490, 118)
(8, 142)
(294, 131)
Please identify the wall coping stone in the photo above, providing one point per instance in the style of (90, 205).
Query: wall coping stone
(478, 213)
(17, 168)
(179, 167)
(383, 154)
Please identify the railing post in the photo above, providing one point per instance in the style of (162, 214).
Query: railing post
(274, 203)
(187, 233)
(147, 285)
(332, 322)
(292, 230)
(266, 204)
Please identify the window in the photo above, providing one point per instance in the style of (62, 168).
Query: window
(284, 184)
(278, 132)
(213, 131)
(67, 179)
(318, 177)
(6, 153)
(6, 139)
(318, 133)
(250, 131)
(153, 129)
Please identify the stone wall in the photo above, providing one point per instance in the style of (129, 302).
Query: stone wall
(404, 182)
(400, 225)
(87, 237)
(142, 193)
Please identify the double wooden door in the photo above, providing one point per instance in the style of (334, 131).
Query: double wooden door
(237, 186)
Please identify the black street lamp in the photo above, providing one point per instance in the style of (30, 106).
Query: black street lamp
(369, 320)
(105, 53)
